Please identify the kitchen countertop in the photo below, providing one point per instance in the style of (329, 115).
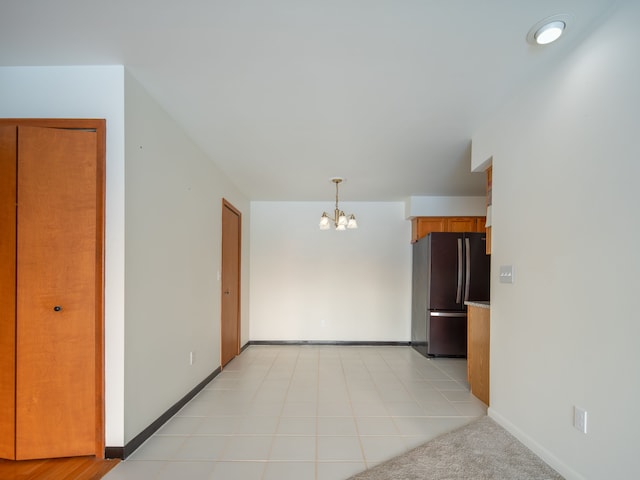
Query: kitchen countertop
(478, 304)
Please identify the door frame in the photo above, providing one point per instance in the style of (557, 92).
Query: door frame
(99, 126)
(228, 205)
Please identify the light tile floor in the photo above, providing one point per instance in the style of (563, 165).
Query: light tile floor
(307, 412)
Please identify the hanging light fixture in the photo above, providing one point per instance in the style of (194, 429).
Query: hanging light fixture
(339, 219)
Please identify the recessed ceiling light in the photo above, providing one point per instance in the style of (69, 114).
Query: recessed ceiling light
(549, 33)
(547, 30)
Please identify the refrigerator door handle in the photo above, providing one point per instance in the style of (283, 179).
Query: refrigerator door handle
(467, 280)
(459, 288)
(447, 314)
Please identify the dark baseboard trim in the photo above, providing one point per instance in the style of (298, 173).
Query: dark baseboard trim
(114, 452)
(129, 448)
(328, 342)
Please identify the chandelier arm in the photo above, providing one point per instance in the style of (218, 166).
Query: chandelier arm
(334, 219)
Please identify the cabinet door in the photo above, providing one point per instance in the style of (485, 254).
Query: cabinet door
(56, 293)
(461, 224)
(478, 352)
(423, 226)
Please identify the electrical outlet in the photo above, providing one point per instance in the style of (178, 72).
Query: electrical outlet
(192, 358)
(580, 419)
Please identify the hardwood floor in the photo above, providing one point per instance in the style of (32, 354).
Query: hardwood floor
(76, 468)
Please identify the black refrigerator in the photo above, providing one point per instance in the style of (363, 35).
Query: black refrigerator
(448, 269)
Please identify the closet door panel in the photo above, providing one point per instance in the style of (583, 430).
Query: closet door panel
(8, 147)
(56, 294)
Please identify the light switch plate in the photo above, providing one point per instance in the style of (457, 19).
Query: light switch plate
(506, 273)
(580, 419)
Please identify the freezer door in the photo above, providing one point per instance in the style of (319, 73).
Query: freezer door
(447, 334)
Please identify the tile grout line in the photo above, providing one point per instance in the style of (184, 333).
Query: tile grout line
(391, 417)
(316, 469)
(353, 414)
(284, 400)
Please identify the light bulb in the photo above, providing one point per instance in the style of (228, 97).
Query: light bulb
(324, 222)
(549, 32)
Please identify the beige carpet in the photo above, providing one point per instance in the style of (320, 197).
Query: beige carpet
(482, 450)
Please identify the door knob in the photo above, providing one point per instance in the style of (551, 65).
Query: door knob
(227, 292)
(57, 308)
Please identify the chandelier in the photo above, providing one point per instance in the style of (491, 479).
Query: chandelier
(339, 219)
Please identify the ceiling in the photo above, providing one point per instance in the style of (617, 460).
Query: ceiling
(284, 94)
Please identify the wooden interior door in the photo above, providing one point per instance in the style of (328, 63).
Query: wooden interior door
(230, 279)
(56, 414)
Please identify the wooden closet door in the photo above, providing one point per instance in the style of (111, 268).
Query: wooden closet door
(56, 293)
(8, 150)
(230, 302)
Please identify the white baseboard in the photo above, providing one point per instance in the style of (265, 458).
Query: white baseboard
(562, 468)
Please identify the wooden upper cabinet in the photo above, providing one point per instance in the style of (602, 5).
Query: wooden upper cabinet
(461, 224)
(423, 226)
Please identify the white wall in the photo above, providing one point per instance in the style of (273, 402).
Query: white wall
(308, 284)
(173, 238)
(424, 206)
(173, 254)
(565, 214)
(87, 92)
